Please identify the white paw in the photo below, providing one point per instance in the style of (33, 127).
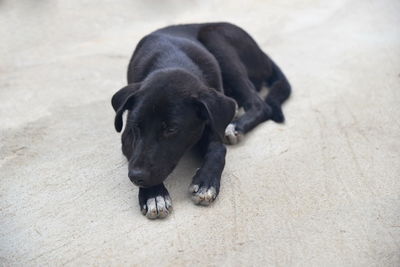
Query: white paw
(203, 195)
(158, 207)
(232, 136)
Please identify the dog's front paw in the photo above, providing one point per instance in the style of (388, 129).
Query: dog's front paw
(203, 195)
(232, 135)
(155, 202)
(157, 207)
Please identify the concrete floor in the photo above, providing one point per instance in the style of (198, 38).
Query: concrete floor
(321, 190)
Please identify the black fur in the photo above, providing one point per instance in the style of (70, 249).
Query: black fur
(183, 82)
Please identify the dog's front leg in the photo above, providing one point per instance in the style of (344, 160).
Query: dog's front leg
(206, 182)
(155, 201)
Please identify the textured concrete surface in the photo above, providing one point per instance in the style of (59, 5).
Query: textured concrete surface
(321, 190)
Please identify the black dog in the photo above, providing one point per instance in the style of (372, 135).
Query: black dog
(182, 85)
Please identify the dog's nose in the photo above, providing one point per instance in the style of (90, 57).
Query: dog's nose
(138, 176)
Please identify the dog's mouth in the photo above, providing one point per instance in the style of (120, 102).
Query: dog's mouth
(156, 178)
(144, 184)
(139, 183)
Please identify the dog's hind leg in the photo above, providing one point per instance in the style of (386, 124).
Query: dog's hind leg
(237, 84)
(279, 91)
(244, 66)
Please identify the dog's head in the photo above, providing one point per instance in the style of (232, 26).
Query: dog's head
(167, 114)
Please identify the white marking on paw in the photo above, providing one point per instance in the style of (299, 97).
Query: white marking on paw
(193, 188)
(230, 129)
(203, 195)
(168, 202)
(231, 135)
(158, 207)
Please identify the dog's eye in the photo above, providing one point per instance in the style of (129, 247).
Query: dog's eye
(169, 130)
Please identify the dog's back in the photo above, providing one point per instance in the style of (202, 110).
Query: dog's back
(174, 47)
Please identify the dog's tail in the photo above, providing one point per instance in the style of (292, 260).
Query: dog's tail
(279, 91)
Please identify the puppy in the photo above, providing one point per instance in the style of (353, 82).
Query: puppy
(184, 83)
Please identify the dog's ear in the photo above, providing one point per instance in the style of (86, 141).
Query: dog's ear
(123, 100)
(218, 109)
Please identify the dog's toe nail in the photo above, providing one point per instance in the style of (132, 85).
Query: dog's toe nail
(232, 140)
(168, 203)
(162, 212)
(151, 208)
(210, 193)
(196, 199)
(161, 207)
(194, 188)
(151, 214)
(144, 209)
